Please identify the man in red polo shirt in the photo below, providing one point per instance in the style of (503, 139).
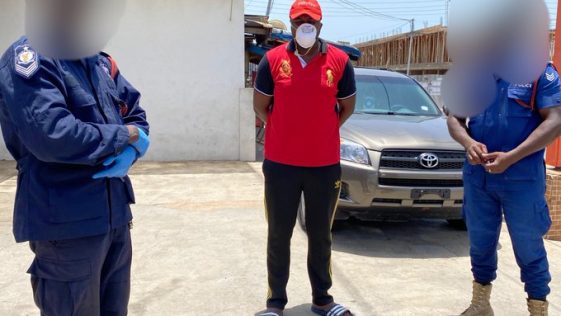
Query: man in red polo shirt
(313, 87)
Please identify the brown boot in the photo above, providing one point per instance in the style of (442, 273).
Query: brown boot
(480, 302)
(537, 308)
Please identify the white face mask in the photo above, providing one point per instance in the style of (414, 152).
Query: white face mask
(72, 29)
(306, 35)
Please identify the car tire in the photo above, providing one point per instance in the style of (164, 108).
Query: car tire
(302, 217)
(302, 213)
(458, 224)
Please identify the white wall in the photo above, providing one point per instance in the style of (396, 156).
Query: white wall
(187, 59)
(11, 28)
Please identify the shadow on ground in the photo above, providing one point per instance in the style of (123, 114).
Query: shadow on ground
(300, 310)
(417, 239)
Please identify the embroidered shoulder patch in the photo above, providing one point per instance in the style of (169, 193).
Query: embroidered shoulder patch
(26, 61)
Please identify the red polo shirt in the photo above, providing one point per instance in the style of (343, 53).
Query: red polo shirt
(303, 124)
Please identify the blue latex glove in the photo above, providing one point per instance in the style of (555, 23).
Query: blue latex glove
(142, 143)
(118, 165)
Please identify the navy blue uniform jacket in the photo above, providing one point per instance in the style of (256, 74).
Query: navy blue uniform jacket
(60, 120)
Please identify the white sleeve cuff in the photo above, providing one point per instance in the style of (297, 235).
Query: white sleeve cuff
(263, 93)
(350, 96)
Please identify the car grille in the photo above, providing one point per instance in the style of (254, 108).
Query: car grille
(448, 160)
(416, 203)
(429, 183)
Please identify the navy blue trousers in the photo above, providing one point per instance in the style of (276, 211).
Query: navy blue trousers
(527, 218)
(83, 277)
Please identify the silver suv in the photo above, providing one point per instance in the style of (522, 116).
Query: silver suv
(398, 160)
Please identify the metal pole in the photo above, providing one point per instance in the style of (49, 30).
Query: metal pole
(553, 152)
(411, 47)
(269, 7)
(447, 11)
(557, 46)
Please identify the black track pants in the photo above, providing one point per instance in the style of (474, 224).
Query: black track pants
(284, 186)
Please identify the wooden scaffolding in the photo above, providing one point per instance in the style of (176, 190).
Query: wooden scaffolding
(429, 53)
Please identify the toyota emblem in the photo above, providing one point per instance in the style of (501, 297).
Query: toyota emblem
(428, 160)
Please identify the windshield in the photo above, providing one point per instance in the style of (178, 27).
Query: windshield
(393, 96)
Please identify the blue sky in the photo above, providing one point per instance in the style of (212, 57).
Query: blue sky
(343, 22)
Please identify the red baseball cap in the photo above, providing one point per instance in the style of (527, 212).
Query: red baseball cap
(306, 7)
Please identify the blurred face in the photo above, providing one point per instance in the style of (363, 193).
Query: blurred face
(72, 29)
(508, 39)
(511, 35)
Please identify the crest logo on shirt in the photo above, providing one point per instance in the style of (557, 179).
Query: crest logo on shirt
(286, 69)
(330, 78)
(26, 61)
(550, 76)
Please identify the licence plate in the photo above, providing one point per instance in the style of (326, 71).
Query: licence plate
(418, 193)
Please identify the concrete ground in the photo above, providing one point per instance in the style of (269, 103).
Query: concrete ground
(199, 249)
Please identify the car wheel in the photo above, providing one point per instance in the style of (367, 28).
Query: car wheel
(459, 224)
(302, 216)
(302, 213)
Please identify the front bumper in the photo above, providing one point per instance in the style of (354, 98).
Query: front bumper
(363, 196)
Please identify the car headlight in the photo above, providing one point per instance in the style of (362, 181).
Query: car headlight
(354, 152)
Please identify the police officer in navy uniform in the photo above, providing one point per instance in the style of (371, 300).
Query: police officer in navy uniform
(505, 175)
(74, 127)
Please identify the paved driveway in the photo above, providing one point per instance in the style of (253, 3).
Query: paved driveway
(199, 242)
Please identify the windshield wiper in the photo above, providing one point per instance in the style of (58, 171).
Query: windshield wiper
(376, 113)
(409, 114)
(393, 113)
(416, 114)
